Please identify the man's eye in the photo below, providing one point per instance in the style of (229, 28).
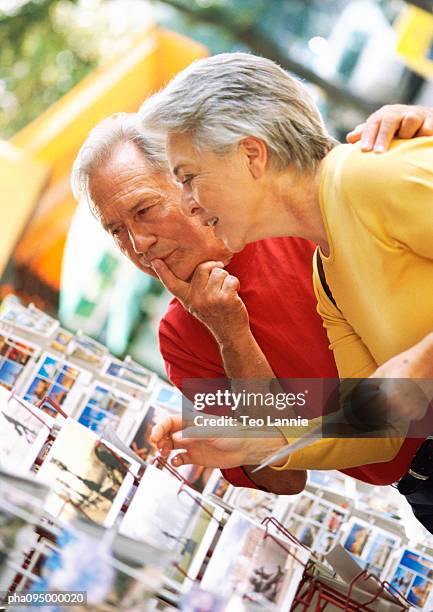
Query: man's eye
(187, 180)
(115, 232)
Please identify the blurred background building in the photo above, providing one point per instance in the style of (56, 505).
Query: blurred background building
(65, 64)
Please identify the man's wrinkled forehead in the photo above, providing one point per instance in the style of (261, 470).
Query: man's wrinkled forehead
(125, 189)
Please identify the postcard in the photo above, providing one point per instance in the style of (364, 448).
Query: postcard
(61, 340)
(104, 405)
(379, 549)
(370, 544)
(177, 520)
(402, 580)
(202, 530)
(320, 524)
(349, 569)
(329, 480)
(197, 476)
(257, 504)
(24, 431)
(307, 535)
(93, 482)
(17, 538)
(15, 355)
(88, 349)
(319, 512)
(28, 318)
(199, 600)
(413, 578)
(140, 443)
(167, 396)
(378, 501)
(11, 530)
(58, 379)
(357, 537)
(128, 373)
(334, 519)
(304, 504)
(258, 567)
(324, 542)
(217, 485)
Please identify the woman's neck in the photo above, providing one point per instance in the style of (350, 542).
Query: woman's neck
(293, 207)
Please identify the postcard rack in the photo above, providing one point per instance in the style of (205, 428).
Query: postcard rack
(314, 594)
(184, 487)
(270, 520)
(185, 484)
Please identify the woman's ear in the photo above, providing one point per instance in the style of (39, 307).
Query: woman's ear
(255, 151)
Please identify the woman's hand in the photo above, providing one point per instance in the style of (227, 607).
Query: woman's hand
(392, 121)
(216, 451)
(407, 381)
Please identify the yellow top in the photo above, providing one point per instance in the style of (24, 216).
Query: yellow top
(378, 214)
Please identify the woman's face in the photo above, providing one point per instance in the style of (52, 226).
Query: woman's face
(221, 190)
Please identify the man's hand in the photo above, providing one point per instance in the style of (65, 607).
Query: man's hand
(408, 381)
(216, 452)
(392, 121)
(211, 296)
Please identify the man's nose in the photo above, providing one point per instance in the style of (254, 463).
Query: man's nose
(189, 206)
(141, 242)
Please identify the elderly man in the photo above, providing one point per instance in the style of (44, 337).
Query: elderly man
(243, 118)
(119, 171)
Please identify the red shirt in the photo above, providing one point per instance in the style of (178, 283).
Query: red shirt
(276, 286)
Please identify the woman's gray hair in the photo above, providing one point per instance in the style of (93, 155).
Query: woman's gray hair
(221, 99)
(99, 146)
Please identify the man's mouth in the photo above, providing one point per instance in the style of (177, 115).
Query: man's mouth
(212, 221)
(148, 261)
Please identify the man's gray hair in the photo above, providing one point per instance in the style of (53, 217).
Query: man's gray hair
(101, 142)
(221, 99)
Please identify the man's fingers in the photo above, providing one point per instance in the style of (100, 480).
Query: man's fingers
(165, 446)
(166, 427)
(230, 287)
(182, 458)
(231, 283)
(410, 124)
(203, 273)
(175, 285)
(216, 280)
(355, 134)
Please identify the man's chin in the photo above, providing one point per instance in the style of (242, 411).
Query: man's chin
(182, 272)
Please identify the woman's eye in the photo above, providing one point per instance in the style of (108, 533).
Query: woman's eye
(187, 180)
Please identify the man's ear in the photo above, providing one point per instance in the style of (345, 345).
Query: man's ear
(256, 155)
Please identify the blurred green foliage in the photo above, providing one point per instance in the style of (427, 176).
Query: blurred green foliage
(284, 21)
(37, 63)
(47, 46)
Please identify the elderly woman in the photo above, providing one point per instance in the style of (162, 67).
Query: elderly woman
(254, 159)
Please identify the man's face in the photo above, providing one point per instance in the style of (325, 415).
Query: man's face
(141, 210)
(220, 190)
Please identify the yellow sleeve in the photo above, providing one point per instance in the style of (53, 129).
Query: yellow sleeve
(353, 360)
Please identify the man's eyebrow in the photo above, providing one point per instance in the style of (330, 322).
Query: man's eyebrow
(108, 226)
(148, 195)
